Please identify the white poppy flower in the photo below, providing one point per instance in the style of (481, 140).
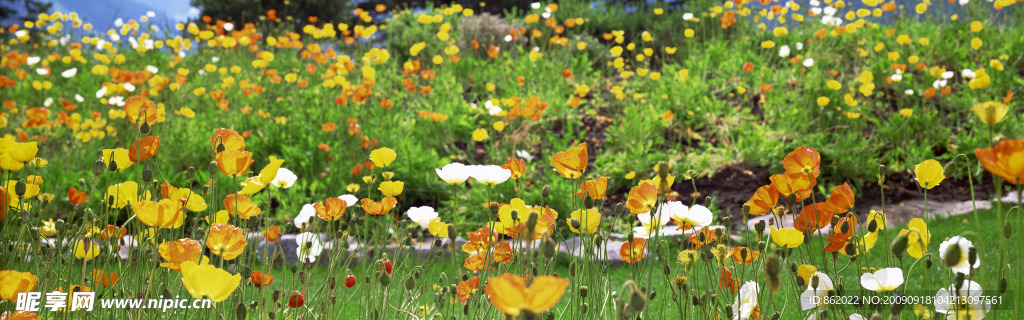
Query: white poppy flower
(422, 215)
(909, 92)
(687, 16)
(883, 280)
(307, 212)
(115, 38)
(962, 264)
(830, 11)
(119, 22)
(152, 69)
(508, 38)
(651, 225)
(809, 62)
(69, 73)
(524, 154)
(799, 46)
(229, 26)
(350, 200)
(48, 102)
(814, 3)
(285, 178)
(32, 60)
(535, 5)
(492, 108)
(815, 11)
(969, 293)
(309, 246)
(696, 216)
(79, 98)
(967, 73)
(546, 15)
(453, 173)
(129, 87)
(784, 51)
(489, 175)
(42, 71)
(947, 75)
(813, 297)
(746, 301)
(150, 14)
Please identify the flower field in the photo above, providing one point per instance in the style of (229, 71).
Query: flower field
(575, 160)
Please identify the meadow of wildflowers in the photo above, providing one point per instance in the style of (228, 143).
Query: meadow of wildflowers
(448, 164)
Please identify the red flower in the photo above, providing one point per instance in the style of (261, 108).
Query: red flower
(350, 281)
(387, 267)
(296, 300)
(261, 279)
(77, 197)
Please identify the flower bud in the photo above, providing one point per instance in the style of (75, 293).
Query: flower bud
(410, 284)
(20, 188)
(575, 223)
(144, 128)
(1003, 283)
(451, 233)
(952, 256)
(98, 166)
(899, 246)
(637, 301)
(972, 256)
(727, 222)
(494, 208)
(928, 262)
(546, 191)
(588, 202)
(147, 175)
(1007, 230)
(385, 279)
(746, 209)
(240, 310)
(191, 173)
(583, 292)
(548, 248)
(759, 227)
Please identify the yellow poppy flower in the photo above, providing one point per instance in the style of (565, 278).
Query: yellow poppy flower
(509, 294)
(85, 251)
(120, 157)
(165, 213)
(990, 112)
(383, 157)
(929, 173)
(917, 237)
(876, 221)
(437, 228)
(787, 237)
(391, 188)
(209, 282)
(123, 194)
(589, 220)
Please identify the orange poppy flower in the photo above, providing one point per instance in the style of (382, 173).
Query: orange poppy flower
(709, 236)
(333, 210)
(841, 200)
(796, 183)
(12, 282)
(566, 73)
(226, 241)
(812, 217)
(272, 234)
(1005, 160)
(324, 147)
(260, 279)
(467, 288)
(135, 106)
(725, 280)
(76, 197)
(503, 252)
(103, 278)
(328, 127)
(593, 188)
(633, 250)
(165, 213)
(479, 240)
(573, 162)
(803, 160)
(177, 252)
(763, 200)
(112, 232)
(518, 167)
(378, 208)
(18, 315)
(230, 138)
(475, 262)
(510, 295)
(241, 205)
(744, 255)
(642, 198)
(234, 162)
